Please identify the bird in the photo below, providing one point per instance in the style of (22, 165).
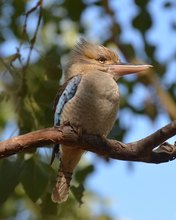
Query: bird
(88, 100)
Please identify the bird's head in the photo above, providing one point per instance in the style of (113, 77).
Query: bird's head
(87, 58)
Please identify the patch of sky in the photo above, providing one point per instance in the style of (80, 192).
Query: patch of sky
(162, 33)
(96, 22)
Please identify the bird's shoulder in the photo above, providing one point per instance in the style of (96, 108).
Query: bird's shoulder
(63, 88)
(64, 94)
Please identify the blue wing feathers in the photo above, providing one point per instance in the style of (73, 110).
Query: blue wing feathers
(67, 94)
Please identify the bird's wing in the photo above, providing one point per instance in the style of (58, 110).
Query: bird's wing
(66, 93)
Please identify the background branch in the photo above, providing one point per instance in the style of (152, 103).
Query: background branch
(141, 150)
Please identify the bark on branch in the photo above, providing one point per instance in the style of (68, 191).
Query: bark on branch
(141, 150)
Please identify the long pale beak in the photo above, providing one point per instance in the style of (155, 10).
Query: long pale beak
(124, 69)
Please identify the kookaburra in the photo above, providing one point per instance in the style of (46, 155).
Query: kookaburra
(89, 100)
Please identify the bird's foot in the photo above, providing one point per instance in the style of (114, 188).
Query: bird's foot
(64, 124)
(75, 127)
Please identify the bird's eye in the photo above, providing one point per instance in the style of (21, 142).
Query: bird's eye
(102, 60)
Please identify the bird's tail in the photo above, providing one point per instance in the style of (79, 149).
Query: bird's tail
(61, 190)
(69, 158)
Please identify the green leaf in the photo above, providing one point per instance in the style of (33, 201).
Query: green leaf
(150, 50)
(9, 177)
(78, 192)
(74, 12)
(34, 178)
(48, 206)
(142, 21)
(4, 96)
(82, 174)
(141, 3)
(168, 5)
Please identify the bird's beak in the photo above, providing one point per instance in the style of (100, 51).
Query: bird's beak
(124, 69)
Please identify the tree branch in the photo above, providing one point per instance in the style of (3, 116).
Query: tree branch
(141, 150)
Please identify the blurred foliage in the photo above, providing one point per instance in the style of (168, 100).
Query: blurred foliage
(35, 38)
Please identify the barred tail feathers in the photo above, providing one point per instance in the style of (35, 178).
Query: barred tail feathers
(61, 190)
(69, 158)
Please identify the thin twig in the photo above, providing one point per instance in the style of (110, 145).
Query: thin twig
(33, 40)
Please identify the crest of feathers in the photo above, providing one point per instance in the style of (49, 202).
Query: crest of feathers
(84, 52)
